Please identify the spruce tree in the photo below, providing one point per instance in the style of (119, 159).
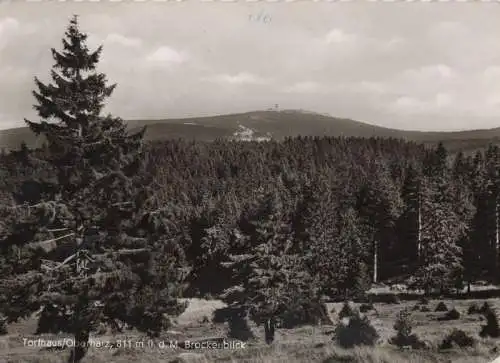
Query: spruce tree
(379, 204)
(493, 208)
(441, 265)
(478, 250)
(272, 279)
(411, 218)
(82, 252)
(352, 273)
(314, 229)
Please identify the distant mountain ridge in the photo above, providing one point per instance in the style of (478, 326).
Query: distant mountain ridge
(263, 125)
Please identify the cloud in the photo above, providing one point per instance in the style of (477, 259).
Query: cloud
(445, 104)
(425, 64)
(237, 79)
(446, 29)
(493, 100)
(115, 38)
(306, 87)
(407, 104)
(393, 44)
(491, 75)
(338, 36)
(443, 100)
(414, 105)
(12, 73)
(165, 55)
(431, 72)
(365, 87)
(8, 26)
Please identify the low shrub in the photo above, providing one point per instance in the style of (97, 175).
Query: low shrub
(239, 329)
(441, 306)
(473, 309)
(425, 309)
(222, 315)
(346, 311)
(485, 308)
(358, 331)
(340, 359)
(453, 314)
(423, 301)
(308, 313)
(237, 322)
(3, 325)
(404, 336)
(491, 329)
(457, 338)
(366, 307)
(390, 299)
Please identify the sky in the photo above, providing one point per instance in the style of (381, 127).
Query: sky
(413, 66)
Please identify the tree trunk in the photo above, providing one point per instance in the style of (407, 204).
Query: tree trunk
(375, 261)
(419, 231)
(81, 346)
(269, 330)
(495, 249)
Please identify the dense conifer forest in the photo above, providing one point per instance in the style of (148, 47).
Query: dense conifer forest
(100, 226)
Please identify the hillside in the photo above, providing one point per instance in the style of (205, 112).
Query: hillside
(277, 125)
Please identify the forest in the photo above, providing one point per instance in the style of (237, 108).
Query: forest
(99, 225)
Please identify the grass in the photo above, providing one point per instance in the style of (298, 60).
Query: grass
(304, 344)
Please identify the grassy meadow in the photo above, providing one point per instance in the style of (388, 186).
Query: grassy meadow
(303, 344)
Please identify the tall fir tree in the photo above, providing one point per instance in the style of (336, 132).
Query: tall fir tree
(492, 161)
(479, 261)
(271, 276)
(410, 224)
(442, 227)
(379, 205)
(352, 272)
(314, 229)
(83, 228)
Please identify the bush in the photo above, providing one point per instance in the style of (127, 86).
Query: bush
(336, 358)
(425, 309)
(239, 329)
(453, 314)
(423, 300)
(237, 322)
(346, 311)
(340, 359)
(485, 308)
(441, 306)
(3, 325)
(473, 309)
(457, 338)
(389, 299)
(366, 307)
(491, 329)
(309, 313)
(53, 319)
(404, 336)
(223, 315)
(358, 331)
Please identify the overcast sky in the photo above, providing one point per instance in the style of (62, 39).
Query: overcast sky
(420, 66)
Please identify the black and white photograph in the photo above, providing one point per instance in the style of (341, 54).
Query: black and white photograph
(295, 181)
